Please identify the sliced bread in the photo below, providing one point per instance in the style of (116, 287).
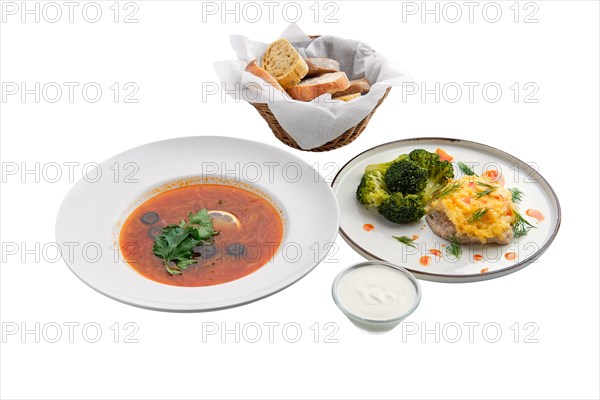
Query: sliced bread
(254, 69)
(320, 66)
(284, 63)
(359, 86)
(312, 88)
(348, 97)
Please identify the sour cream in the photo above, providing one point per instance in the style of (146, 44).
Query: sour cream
(376, 296)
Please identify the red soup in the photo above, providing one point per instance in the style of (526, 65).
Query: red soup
(250, 232)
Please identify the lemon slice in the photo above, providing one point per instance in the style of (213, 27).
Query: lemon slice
(221, 217)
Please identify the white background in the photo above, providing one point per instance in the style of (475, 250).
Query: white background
(169, 55)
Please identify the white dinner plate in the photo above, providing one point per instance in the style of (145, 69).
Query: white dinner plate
(91, 216)
(379, 243)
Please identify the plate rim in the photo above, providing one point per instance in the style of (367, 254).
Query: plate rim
(446, 278)
(158, 306)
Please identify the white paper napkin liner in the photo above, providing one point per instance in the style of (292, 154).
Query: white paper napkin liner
(314, 123)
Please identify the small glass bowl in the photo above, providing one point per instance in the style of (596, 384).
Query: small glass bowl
(375, 325)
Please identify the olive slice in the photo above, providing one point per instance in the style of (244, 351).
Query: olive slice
(205, 251)
(236, 249)
(150, 218)
(154, 231)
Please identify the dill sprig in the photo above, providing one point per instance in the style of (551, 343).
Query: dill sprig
(406, 240)
(486, 185)
(479, 195)
(448, 189)
(477, 215)
(517, 195)
(522, 226)
(465, 169)
(454, 248)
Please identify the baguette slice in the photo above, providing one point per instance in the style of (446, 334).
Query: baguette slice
(284, 63)
(254, 69)
(348, 97)
(312, 88)
(320, 66)
(359, 86)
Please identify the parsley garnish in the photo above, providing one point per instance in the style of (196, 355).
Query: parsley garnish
(175, 245)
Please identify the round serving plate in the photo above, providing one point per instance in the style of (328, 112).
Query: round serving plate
(93, 212)
(379, 244)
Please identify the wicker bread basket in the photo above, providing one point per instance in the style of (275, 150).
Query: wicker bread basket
(342, 140)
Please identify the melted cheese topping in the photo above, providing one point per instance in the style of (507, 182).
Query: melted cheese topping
(460, 206)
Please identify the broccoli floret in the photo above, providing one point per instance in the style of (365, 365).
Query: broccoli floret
(438, 172)
(401, 188)
(423, 157)
(372, 191)
(383, 167)
(406, 177)
(401, 208)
